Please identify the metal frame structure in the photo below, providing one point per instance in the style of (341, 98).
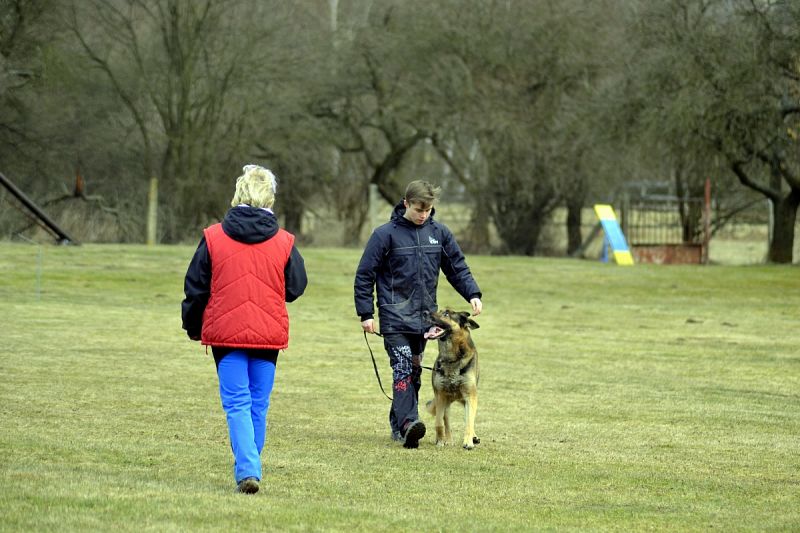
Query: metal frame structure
(38, 216)
(667, 229)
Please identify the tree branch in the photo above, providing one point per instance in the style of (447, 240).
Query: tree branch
(738, 169)
(126, 98)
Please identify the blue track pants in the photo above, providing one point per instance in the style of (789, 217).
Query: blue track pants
(245, 385)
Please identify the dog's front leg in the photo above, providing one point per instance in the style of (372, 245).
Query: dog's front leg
(447, 437)
(470, 409)
(442, 422)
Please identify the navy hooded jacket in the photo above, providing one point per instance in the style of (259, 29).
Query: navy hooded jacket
(402, 260)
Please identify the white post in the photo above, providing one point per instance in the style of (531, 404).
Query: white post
(770, 220)
(334, 5)
(152, 212)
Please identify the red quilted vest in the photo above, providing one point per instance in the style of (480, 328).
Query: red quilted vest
(247, 307)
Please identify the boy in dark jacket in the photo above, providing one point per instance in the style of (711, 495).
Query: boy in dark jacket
(402, 260)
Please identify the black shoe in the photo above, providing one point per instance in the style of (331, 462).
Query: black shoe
(248, 485)
(414, 432)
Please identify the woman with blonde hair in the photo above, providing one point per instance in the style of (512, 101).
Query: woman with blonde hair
(242, 274)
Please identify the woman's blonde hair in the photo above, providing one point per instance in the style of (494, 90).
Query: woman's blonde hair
(256, 187)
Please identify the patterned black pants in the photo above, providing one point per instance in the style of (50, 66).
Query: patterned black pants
(405, 356)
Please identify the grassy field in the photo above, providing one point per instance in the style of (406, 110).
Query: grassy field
(612, 398)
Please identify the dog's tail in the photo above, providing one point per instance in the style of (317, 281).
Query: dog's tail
(431, 407)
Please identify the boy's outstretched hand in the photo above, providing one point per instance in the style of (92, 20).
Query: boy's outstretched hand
(477, 306)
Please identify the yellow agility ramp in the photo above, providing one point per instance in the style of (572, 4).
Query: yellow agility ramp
(614, 236)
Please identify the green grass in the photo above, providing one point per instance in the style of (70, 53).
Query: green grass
(611, 398)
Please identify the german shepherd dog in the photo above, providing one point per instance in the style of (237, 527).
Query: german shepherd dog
(455, 374)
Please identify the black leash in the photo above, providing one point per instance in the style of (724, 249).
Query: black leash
(375, 365)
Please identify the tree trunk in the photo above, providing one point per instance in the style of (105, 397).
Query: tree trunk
(532, 242)
(521, 231)
(574, 212)
(785, 217)
(290, 205)
(293, 223)
(353, 225)
(476, 235)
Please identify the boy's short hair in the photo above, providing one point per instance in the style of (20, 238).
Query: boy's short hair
(256, 187)
(423, 192)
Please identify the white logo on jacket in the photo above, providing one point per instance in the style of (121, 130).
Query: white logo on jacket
(432, 240)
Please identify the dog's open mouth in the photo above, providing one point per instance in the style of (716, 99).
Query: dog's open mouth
(434, 333)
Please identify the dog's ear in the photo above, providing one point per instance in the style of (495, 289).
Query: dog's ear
(465, 321)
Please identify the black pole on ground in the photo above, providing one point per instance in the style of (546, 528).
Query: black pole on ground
(59, 234)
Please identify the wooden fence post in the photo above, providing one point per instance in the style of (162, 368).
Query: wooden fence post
(706, 221)
(152, 212)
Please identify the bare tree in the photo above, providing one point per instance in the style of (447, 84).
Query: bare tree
(18, 68)
(506, 60)
(191, 75)
(719, 78)
(370, 107)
